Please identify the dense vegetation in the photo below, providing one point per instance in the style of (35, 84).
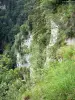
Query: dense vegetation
(53, 81)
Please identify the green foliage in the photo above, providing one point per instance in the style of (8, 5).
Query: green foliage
(66, 52)
(24, 30)
(13, 83)
(16, 12)
(5, 61)
(58, 83)
(20, 18)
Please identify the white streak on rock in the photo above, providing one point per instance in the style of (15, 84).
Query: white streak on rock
(24, 60)
(53, 40)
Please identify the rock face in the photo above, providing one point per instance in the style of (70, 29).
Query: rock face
(70, 41)
(54, 33)
(23, 60)
(53, 40)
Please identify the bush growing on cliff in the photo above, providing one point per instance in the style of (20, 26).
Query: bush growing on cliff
(58, 83)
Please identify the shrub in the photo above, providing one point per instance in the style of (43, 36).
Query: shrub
(66, 52)
(58, 83)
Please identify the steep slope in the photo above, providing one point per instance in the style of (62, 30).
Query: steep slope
(36, 61)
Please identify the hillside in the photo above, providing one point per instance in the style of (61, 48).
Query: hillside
(37, 50)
